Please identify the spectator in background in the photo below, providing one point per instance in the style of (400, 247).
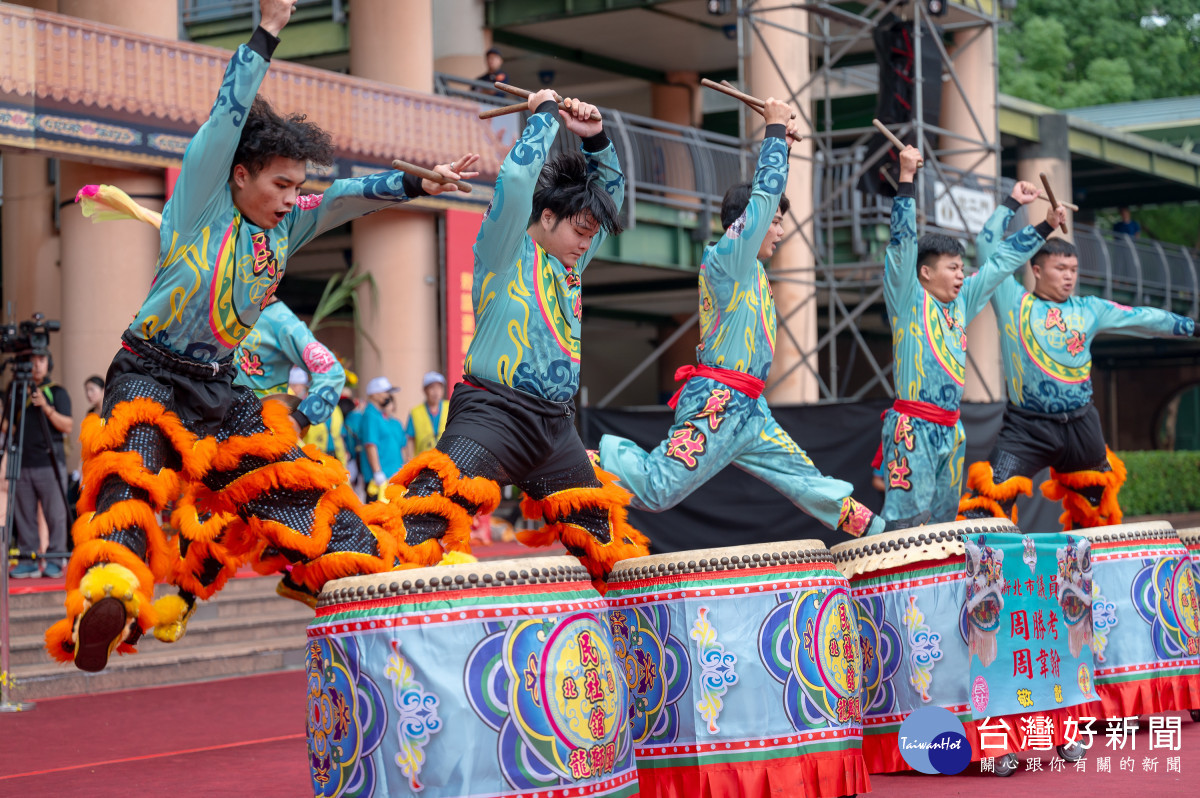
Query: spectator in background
(1127, 225)
(382, 435)
(426, 421)
(37, 483)
(495, 69)
(93, 391)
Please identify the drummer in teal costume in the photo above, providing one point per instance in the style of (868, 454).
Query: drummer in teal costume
(930, 305)
(1046, 337)
(720, 414)
(173, 422)
(278, 341)
(511, 418)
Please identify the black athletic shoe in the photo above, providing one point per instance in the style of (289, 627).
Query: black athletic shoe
(100, 630)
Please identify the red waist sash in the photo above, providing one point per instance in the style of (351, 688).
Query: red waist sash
(922, 410)
(738, 380)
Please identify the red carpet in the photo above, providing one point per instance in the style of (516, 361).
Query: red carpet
(230, 737)
(246, 737)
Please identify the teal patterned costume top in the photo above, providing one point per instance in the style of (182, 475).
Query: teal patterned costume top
(737, 311)
(279, 341)
(1047, 345)
(217, 270)
(929, 337)
(527, 303)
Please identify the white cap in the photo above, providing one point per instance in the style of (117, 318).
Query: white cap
(297, 376)
(431, 377)
(380, 385)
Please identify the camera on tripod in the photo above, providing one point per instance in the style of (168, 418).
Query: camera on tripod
(29, 337)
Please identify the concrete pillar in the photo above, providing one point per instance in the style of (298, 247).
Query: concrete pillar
(974, 59)
(675, 101)
(393, 42)
(1050, 154)
(106, 268)
(459, 38)
(794, 255)
(30, 251)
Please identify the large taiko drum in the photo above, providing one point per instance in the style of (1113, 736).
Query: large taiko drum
(919, 633)
(1146, 637)
(494, 678)
(743, 668)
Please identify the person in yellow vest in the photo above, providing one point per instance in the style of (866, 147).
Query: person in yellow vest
(426, 421)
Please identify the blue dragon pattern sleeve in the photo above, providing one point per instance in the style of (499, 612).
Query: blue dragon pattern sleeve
(1009, 255)
(279, 341)
(528, 303)
(906, 301)
(345, 200)
(217, 270)
(737, 310)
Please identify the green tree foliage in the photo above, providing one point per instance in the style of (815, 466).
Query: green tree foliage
(1090, 52)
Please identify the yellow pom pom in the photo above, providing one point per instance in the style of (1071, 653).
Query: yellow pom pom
(173, 614)
(457, 558)
(113, 580)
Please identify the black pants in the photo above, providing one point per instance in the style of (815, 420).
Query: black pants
(1066, 442)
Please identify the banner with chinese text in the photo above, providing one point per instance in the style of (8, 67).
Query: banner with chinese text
(461, 229)
(1028, 610)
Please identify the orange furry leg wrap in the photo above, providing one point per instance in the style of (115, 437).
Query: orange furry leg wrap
(569, 514)
(433, 501)
(355, 545)
(1078, 511)
(984, 494)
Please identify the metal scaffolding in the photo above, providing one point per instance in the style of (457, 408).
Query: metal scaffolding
(846, 252)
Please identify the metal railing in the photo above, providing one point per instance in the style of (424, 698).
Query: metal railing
(668, 165)
(194, 12)
(689, 169)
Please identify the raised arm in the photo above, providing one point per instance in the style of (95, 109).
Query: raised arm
(350, 198)
(601, 160)
(900, 259)
(739, 246)
(1141, 321)
(503, 230)
(1009, 256)
(989, 238)
(209, 156)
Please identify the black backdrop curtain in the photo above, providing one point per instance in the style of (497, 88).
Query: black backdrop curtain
(734, 508)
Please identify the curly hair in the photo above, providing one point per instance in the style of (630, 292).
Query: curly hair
(568, 190)
(266, 135)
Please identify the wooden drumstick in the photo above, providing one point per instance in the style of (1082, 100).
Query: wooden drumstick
(526, 94)
(503, 110)
(748, 99)
(1068, 205)
(429, 174)
(890, 136)
(753, 108)
(1050, 196)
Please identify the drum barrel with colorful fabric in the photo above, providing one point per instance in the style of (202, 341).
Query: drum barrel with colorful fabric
(909, 590)
(743, 669)
(493, 678)
(1144, 619)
